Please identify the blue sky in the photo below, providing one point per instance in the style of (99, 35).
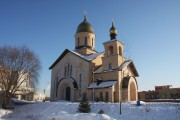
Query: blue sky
(150, 30)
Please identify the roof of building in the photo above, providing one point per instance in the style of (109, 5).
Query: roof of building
(103, 84)
(87, 58)
(108, 41)
(85, 27)
(131, 64)
(163, 86)
(123, 65)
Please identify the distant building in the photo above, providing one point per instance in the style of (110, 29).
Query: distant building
(24, 83)
(160, 92)
(23, 92)
(108, 75)
(36, 96)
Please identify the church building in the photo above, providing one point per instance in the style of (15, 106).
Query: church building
(105, 76)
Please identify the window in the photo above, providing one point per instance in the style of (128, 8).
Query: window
(110, 50)
(120, 51)
(71, 71)
(78, 41)
(107, 97)
(85, 41)
(110, 66)
(92, 42)
(80, 83)
(65, 71)
(68, 70)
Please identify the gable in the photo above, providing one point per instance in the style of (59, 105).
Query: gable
(130, 64)
(85, 58)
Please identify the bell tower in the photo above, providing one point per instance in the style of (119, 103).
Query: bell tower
(113, 52)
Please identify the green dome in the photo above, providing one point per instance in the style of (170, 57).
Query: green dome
(85, 27)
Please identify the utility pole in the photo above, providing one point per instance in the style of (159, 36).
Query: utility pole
(120, 107)
(93, 88)
(44, 95)
(44, 91)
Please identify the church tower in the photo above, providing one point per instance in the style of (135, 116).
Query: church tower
(85, 38)
(112, 60)
(113, 51)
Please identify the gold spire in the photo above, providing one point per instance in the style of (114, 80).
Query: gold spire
(113, 31)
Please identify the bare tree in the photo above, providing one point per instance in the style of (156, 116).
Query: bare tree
(17, 66)
(127, 50)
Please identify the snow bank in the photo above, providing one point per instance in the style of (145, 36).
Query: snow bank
(5, 113)
(68, 111)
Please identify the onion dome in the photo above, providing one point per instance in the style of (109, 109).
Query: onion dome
(113, 32)
(85, 27)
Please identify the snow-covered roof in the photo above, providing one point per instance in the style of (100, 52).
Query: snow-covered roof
(87, 58)
(126, 63)
(123, 65)
(99, 70)
(103, 84)
(112, 41)
(131, 64)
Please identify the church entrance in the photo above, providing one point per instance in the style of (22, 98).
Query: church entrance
(132, 92)
(68, 93)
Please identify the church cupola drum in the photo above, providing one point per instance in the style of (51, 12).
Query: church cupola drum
(85, 37)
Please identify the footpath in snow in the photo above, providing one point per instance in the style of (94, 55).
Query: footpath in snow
(68, 111)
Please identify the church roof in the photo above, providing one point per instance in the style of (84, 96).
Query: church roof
(123, 65)
(112, 41)
(132, 66)
(87, 58)
(103, 84)
(85, 27)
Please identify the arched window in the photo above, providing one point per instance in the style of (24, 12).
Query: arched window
(71, 71)
(92, 42)
(110, 50)
(120, 51)
(65, 71)
(68, 71)
(85, 41)
(110, 66)
(78, 41)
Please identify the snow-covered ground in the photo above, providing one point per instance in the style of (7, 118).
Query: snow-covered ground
(68, 111)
